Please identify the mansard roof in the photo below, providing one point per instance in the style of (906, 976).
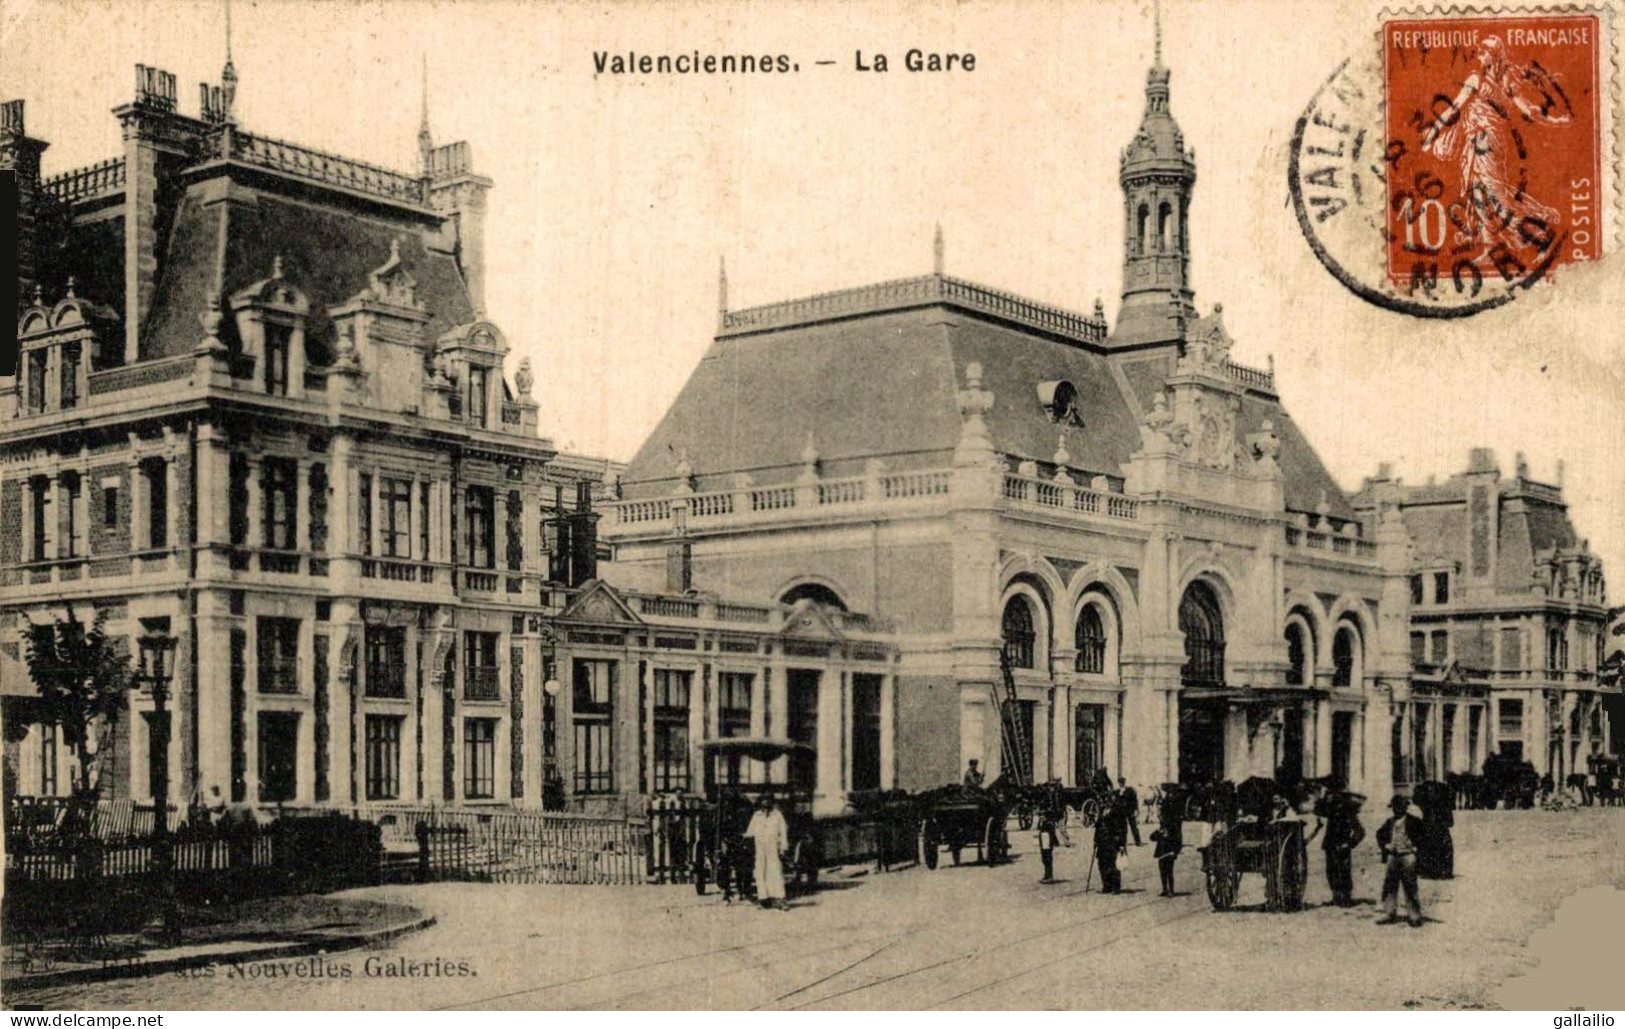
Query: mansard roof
(328, 252)
(881, 383)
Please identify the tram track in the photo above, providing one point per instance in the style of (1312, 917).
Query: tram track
(980, 952)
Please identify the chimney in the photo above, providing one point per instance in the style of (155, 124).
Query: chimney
(156, 145)
(20, 154)
(459, 195)
(583, 537)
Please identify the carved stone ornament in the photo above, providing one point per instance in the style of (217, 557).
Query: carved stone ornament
(524, 379)
(390, 283)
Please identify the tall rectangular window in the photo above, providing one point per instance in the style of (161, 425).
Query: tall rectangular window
(423, 522)
(279, 489)
(478, 381)
(384, 757)
(279, 756)
(396, 497)
(36, 381)
(1439, 645)
(671, 729)
(1419, 649)
(1416, 590)
(733, 719)
(386, 661)
(480, 510)
(802, 725)
(865, 732)
(481, 678)
(72, 524)
(479, 758)
(70, 376)
(155, 474)
(278, 652)
(363, 524)
(318, 508)
(277, 344)
(237, 500)
(593, 688)
(47, 761)
(42, 533)
(1441, 587)
(109, 506)
(1509, 726)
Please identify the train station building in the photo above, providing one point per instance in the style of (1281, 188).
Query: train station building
(262, 410)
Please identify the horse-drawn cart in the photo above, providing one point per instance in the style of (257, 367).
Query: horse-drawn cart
(738, 773)
(957, 817)
(1254, 831)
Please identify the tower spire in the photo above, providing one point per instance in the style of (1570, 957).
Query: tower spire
(228, 74)
(938, 251)
(1156, 21)
(425, 139)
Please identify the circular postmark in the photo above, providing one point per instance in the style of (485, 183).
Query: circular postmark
(1456, 171)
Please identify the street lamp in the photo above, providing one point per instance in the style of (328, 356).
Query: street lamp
(157, 655)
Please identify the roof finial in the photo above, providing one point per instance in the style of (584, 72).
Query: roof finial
(70, 294)
(1156, 20)
(228, 74)
(938, 251)
(722, 285)
(425, 139)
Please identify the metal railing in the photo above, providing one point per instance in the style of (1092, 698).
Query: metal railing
(482, 683)
(319, 166)
(92, 180)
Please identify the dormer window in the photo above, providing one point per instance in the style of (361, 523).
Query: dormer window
(278, 341)
(1060, 399)
(36, 381)
(70, 375)
(478, 378)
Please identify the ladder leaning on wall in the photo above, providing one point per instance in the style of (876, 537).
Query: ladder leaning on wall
(1016, 766)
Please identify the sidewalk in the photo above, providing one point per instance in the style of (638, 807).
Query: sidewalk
(254, 930)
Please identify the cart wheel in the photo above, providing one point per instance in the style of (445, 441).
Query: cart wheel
(929, 842)
(1292, 869)
(1223, 878)
(993, 841)
(1090, 812)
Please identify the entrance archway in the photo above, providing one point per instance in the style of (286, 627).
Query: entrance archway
(1202, 708)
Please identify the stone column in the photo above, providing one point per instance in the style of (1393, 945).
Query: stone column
(377, 515)
(301, 495)
(256, 503)
(214, 625)
(344, 675)
(175, 498)
(1323, 737)
(532, 702)
(888, 732)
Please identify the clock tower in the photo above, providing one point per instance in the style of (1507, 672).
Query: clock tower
(1157, 174)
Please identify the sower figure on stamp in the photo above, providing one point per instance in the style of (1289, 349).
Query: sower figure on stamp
(1396, 839)
(1343, 833)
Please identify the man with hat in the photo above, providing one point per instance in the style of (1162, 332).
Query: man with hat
(973, 774)
(1396, 839)
(1343, 833)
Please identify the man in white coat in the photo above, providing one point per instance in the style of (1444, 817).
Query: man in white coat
(770, 834)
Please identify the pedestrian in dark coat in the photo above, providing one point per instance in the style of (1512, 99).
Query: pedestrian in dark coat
(1111, 833)
(1169, 838)
(1046, 845)
(1131, 808)
(1396, 839)
(1343, 833)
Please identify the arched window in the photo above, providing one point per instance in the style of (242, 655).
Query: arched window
(1019, 637)
(1165, 226)
(1090, 637)
(1143, 230)
(816, 592)
(1345, 654)
(1203, 626)
(1297, 656)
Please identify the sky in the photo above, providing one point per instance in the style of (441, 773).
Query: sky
(615, 197)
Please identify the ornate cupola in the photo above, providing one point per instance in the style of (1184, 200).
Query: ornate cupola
(1158, 175)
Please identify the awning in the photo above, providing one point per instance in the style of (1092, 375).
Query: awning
(1268, 696)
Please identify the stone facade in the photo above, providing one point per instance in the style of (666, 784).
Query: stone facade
(1124, 512)
(276, 424)
(1508, 625)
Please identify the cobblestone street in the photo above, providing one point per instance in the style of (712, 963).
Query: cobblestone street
(983, 938)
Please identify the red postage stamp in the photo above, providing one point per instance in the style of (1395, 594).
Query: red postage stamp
(1494, 148)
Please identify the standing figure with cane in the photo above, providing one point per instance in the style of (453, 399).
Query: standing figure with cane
(1111, 835)
(1170, 840)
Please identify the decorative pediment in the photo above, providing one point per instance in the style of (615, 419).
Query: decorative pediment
(809, 621)
(599, 604)
(274, 292)
(70, 313)
(481, 335)
(391, 284)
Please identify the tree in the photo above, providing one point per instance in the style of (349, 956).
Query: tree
(82, 675)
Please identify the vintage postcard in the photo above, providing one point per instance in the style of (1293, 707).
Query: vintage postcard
(917, 505)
